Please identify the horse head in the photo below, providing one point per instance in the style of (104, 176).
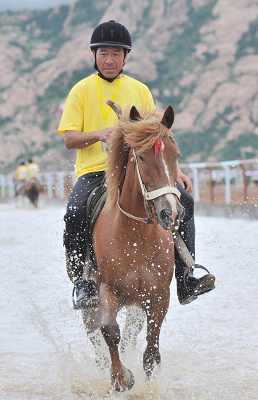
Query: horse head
(156, 166)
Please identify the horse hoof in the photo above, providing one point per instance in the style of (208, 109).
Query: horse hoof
(132, 382)
(148, 373)
(122, 388)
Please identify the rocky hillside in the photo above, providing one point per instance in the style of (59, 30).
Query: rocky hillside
(198, 55)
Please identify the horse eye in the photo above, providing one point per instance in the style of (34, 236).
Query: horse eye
(141, 159)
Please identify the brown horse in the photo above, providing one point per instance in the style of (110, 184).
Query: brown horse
(33, 190)
(132, 237)
(30, 190)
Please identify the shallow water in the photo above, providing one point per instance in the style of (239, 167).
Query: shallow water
(208, 348)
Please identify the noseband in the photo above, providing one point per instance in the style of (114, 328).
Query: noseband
(148, 195)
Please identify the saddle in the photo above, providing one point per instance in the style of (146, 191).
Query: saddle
(94, 207)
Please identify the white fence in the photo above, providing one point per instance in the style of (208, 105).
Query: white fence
(221, 181)
(232, 176)
(54, 184)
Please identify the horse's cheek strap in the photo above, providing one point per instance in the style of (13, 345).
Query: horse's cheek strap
(155, 193)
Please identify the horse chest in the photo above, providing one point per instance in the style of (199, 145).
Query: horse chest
(127, 252)
(134, 271)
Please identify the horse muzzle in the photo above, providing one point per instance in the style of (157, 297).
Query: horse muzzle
(170, 218)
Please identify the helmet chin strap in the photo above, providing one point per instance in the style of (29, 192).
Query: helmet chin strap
(109, 79)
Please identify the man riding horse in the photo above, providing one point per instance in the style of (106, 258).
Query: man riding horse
(86, 124)
(33, 169)
(22, 175)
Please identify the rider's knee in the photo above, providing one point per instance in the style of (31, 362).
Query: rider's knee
(187, 202)
(189, 208)
(74, 215)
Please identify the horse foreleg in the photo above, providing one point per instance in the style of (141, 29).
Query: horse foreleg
(151, 355)
(121, 378)
(155, 316)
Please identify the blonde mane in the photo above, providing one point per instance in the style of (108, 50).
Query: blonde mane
(127, 134)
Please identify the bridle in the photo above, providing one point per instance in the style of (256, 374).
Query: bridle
(147, 196)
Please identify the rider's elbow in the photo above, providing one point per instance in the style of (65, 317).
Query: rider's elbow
(68, 144)
(68, 141)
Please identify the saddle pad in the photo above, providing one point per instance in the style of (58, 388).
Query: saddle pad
(94, 207)
(95, 204)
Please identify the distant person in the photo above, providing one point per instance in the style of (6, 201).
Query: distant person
(86, 124)
(22, 176)
(33, 169)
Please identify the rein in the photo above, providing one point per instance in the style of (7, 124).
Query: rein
(147, 195)
(144, 220)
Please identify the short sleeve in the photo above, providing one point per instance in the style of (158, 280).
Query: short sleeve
(73, 114)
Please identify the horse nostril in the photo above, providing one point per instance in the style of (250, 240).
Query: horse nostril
(165, 214)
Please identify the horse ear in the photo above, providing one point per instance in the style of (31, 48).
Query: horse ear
(168, 117)
(134, 114)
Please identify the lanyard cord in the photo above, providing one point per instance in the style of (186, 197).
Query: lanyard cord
(102, 108)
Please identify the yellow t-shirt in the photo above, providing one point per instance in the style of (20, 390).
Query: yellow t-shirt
(22, 173)
(83, 113)
(33, 169)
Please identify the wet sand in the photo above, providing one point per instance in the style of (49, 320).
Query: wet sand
(208, 348)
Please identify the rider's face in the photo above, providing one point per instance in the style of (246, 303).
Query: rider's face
(110, 60)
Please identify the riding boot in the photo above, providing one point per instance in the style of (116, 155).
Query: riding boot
(188, 286)
(85, 290)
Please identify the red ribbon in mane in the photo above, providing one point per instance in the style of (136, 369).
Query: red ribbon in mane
(158, 146)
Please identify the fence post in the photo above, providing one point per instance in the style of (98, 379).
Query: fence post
(195, 182)
(11, 190)
(244, 182)
(211, 184)
(227, 183)
(61, 184)
(49, 185)
(2, 183)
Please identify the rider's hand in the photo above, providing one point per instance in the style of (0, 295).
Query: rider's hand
(105, 134)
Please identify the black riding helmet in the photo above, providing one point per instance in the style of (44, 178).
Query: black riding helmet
(110, 34)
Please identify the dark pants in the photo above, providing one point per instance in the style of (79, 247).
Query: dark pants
(187, 231)
(187, 227)
(75, 218)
